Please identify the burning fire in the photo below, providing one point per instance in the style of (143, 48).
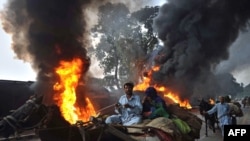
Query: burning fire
(167, 93)
(211, 101)
(69, 74)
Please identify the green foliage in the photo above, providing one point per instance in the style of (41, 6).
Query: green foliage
(124, 44)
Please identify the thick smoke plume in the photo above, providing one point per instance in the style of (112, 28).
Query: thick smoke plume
(238, 62)
(197, 35)
(46, 32)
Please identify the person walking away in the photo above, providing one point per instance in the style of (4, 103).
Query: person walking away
(222, 108)
(233, 110)
(244, 101)
(128, 108)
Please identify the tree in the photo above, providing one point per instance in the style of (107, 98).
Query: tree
(124, 44)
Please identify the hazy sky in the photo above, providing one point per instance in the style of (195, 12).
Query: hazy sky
(11, 68)
(238, 63)
(14, 69)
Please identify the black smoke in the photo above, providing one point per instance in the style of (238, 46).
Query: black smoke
(46, 32)
(196, 35)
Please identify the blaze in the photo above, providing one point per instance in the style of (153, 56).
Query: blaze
(166, 92)
(211, 101)
(176, 99)
(69, 73)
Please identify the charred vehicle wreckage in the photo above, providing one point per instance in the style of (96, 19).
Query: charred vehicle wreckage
(48, 124)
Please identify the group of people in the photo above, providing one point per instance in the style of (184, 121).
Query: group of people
(131, 109)
(226, 112)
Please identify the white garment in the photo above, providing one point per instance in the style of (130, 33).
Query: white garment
(127, 116)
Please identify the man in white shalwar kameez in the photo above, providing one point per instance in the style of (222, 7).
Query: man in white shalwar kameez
(223, 115)
(128, 109)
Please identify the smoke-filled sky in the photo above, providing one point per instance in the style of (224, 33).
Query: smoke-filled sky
(197, 36)
(16, 69)
(238, 62)
(13, 68)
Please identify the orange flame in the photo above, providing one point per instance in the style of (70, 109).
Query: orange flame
(69, 73)
(176, 99)
(166, 92)
(211, 101)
